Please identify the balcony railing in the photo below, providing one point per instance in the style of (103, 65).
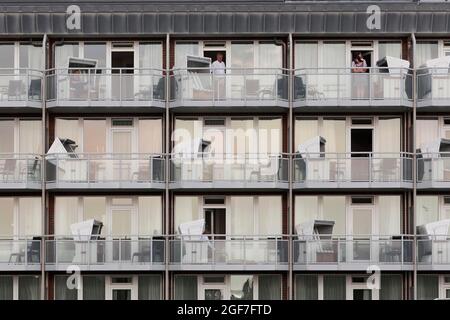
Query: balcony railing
(105, 170)
(349, 252)
(335, 87)
(20, 87)
(433, 87)
(23, 254)
(338, 169)
(433, 169)
(433, 252)
(238, 87)
(124, 253)
(245, 169)
(228, 251)
(106, 87)
(20, 171)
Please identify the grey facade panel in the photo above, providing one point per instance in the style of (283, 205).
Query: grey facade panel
(206, 23)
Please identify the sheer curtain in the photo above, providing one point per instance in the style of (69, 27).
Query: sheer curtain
(391, 287)
(30, 136)
(182, 50)
(334, 210)
(150, 64)
(334, 287)
(7, 134)
(93, 288)
(427, 287)
(6, 287)
(69, 129)
(29, 288)
(427, 130)
(389, 48)
(31, 56)
(63, 52)
(270, 215)
(30, 219)
(150, 135)
(186, 288)
(305, 129)
(66, 213)
(389, 215)
(149, 288)
(150, 215)
(427, 209)
(62, 292)
(269, 287)
(242, 215)
(186, 209)
(388, 130)
(306, 208)
(425, 50)
(306, 287)
(7, 217)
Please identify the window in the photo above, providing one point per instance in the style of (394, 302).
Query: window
(306, 208)
(389, 130)
(150, 215)
(391, 287)
(427, 130)
(427, 209)
(93, 288)
(29, 287)
(63, 52)
(150, 135)
(427, 287)
(68, 129)
(96, 51)
(184, 49)
(186, 209)
(185, 287)
(389, 48)
(270, 135)
(334, 210)
(94, 208)
(7, 217)
(305, 129)
(30, 217)
(242, 215)
(269, 215)
(7, 54)
(94, 136)
(306, 55)
(426, 50)
(149, 287)
(30, 136)
(241, 287)
(62, 292)
(269, 287)
(389, 214)
(334, 287)
(6, 288)
(306, 287)
(66, 213)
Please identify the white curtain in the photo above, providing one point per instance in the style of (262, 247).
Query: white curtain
(334, 210)
(425, 50)
(334, 132)
(149, 287)
(391, 287)
(270, 215)
(388, 130)
(62, 54)
(389, 48)
(30, 137)
(31, 56)
(185, 288)
(150, 136)
(182, 50)
(7, 134)
(270, 135)
(427, 130)
(306, 287)
(427, 209)
(95, 208)
(29, 287)
(6, 288)
(305, 129)
(66, 213)
(334, 287)
(62, 292)
(242, 215)
(7, 217)
(93, 288)
(30, 216)
(69, 129)
(306, 208)
(186, 209)
(150, 215)
(389, 215)
(269, 287)
(306, 55)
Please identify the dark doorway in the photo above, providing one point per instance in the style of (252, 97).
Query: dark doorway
(361, 141)
(213, 55)
(215, 222)
(122, 63)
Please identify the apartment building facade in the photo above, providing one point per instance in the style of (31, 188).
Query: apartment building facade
(308, 179)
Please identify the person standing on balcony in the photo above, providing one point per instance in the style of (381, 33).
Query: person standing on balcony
(218, 70)
(360, 80)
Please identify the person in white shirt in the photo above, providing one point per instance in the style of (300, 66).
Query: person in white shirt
(218, 66)
(218, 70)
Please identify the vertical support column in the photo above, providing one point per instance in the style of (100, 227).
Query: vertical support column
(44, 146)
(290, 137)
(413, 142)
(167, 173)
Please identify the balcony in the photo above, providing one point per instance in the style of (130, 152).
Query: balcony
(105, 171)
(433, 170)
(20, 88)
(97, 89)
(194, 89)
(356, 253)
(229, 171)
(353, 170)
(227, 253)
(20, 171)
(105, 255)
(433, 88)
(433, 253)
(338, 89)
(20, 255)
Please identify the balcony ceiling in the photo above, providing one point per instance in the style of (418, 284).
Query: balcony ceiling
(213, 17)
